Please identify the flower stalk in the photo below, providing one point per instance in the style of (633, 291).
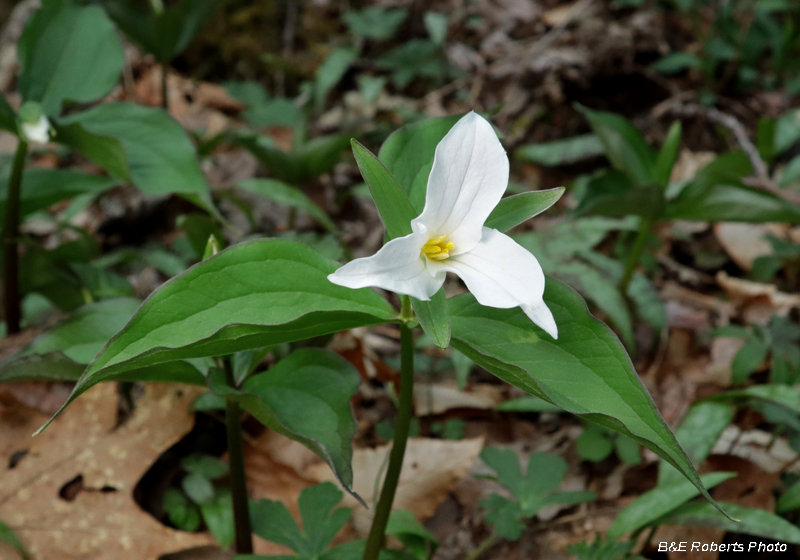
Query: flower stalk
(11, 296)
(402, 427)
(241, 511)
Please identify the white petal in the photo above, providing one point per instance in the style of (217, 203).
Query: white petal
(398, 267)
(501, 273)
(37, 132)
(468, 179)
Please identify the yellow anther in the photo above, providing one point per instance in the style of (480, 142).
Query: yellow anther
(438, 248)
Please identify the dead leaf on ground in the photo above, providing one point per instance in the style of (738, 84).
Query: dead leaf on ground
(441, 397)
(431, 469)
(746, 242)
(771, 454)
(760, 301)
(689, 163)
(83, 450)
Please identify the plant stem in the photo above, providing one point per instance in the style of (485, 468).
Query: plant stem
(164, 88)
(241, 511)
(487, 543)
(11, 302)
(635, 255)
(402, 425)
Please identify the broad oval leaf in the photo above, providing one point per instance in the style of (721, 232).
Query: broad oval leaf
(41, 188)
(660, 501)
(68, 53)
(252, 295)
(61, 353)
(513, 210)
(142, 145)
(625, 147)
(561, 152)
(8, 118)
(305, 397)
(586, 371)
(285, 194)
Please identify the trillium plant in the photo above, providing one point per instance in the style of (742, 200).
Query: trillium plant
(439, 187)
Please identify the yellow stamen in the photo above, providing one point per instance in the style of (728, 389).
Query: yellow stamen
(438, 248)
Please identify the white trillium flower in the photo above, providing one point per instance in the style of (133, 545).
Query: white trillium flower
(38, 131)
(468, 179)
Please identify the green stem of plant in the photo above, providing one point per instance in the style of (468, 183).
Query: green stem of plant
(402, 426)
(164, 86)
(635, 255)
(487, 543)
(11, 301)
(241, 510)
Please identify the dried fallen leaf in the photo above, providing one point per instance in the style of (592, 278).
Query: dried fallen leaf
(431, 469)
(441, 397)
(71, 495)
(746, 242)
(760, 301)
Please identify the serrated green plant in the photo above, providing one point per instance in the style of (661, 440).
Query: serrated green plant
(596, 443)
(778, 341)
(530, 493)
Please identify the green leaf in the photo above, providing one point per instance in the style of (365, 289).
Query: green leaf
(282, 193)
(253, 295)
(697, 434)
(301, 165)
(8, 118)
(331, 71)
(787, 130)
(397, 212)
(718, 194)
(586, 371)
(436, 26)
(218, 515)
(676, 62)
(625, 147)
(628, 450)
(505, 515)
(165, 34)
(181, 512)
(668, 155)
(753, 521)
(593, 445)
(789, 500)
(68, 53)
(393, 204)
(139, 144)
(205, 465)
(660, 501)
(10, 538)
(513, 210)
(272, 521)
(375, 23)
(305, 397)
(561, 152)
(784, 395)
(611, 193)
(528, 404)
(320, 521)
(414, 536)
(602, 290)
(791, 174)
(199, 228)
(408, 155)
(198, 488)
(83, 334)
(747, 359)
(41, 188)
